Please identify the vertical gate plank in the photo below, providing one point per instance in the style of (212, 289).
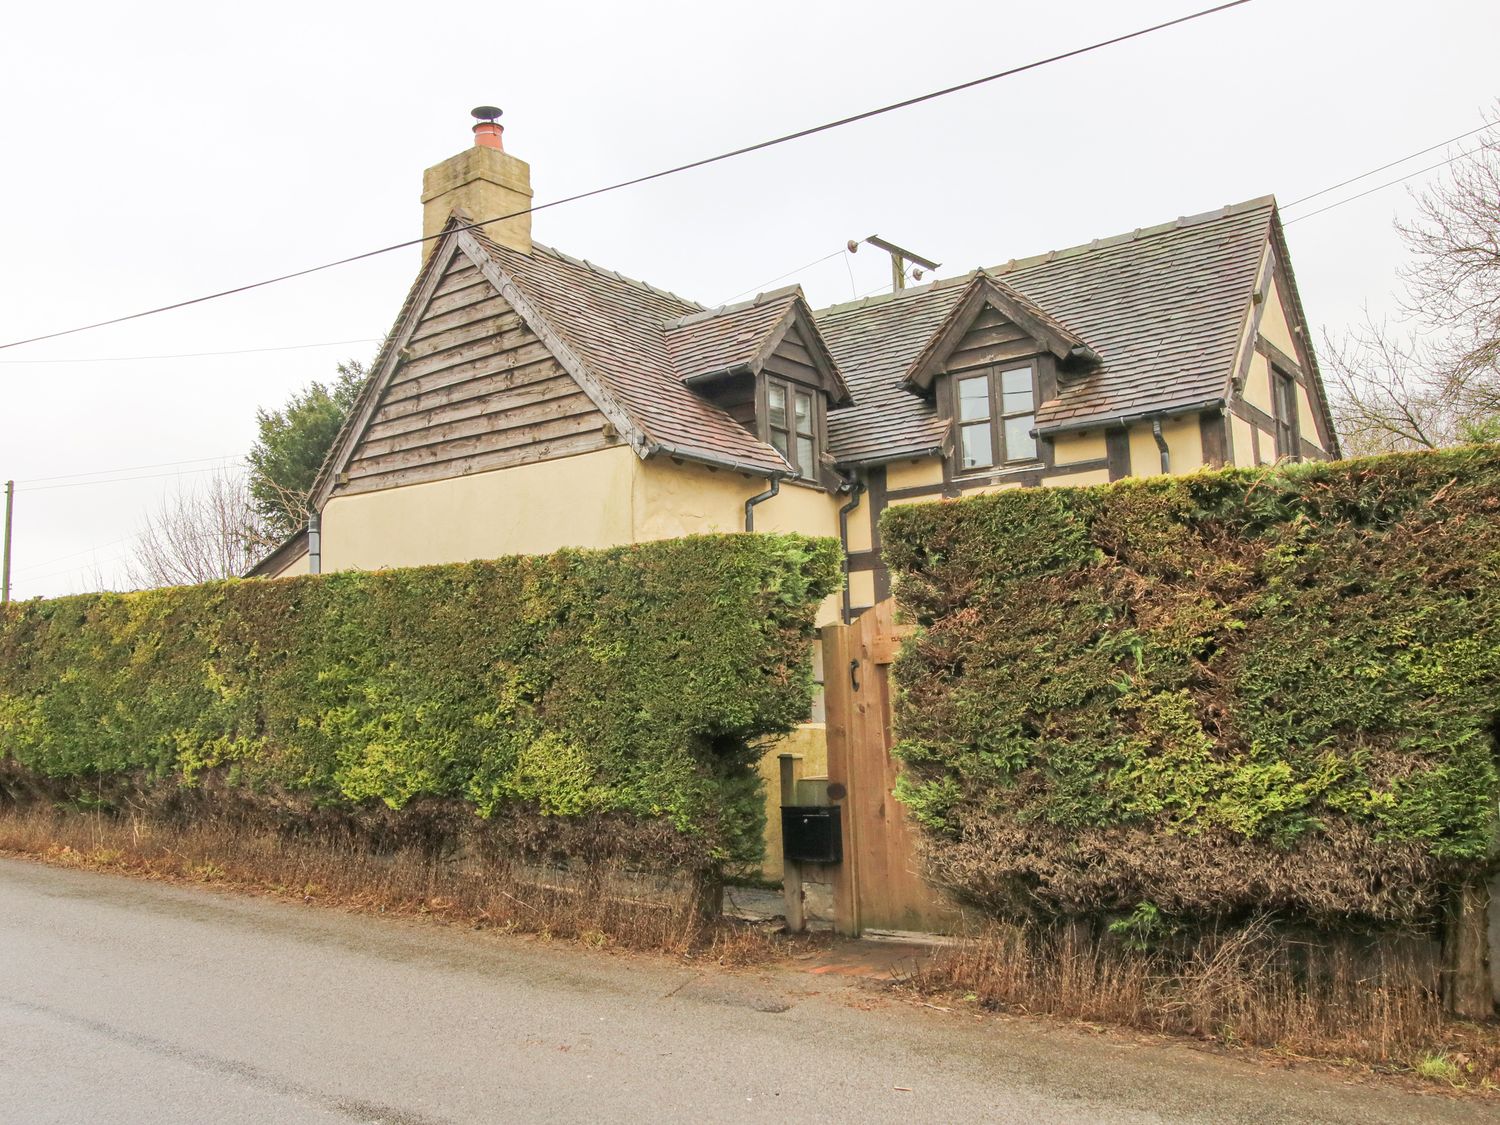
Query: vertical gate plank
(877, 886)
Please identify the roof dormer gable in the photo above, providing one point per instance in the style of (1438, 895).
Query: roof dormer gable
(994, 324)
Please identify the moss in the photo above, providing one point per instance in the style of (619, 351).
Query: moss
(1276, 661)
(633, 681)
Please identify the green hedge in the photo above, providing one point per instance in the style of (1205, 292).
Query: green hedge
(1216, 693)
(632, 681)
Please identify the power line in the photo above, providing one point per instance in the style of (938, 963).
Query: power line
(1388, 183)
(761, 288)
(197, 355)
(704, 162)
(1392, 164)
(122, 480)
(64, 558)
(128, 469)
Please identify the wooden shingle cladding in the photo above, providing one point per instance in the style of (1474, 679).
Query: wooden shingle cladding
(474, 389)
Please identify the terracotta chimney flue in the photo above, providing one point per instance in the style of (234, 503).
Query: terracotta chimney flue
(483, 183)
(489, 131)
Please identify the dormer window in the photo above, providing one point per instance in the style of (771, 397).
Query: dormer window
(996, 411)
(793, 420)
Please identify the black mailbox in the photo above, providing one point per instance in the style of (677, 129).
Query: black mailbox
(811, 834)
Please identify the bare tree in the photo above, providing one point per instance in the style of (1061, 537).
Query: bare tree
(1435, 380)
(204, 532)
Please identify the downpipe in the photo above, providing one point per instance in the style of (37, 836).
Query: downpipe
(1161, 444)
(858, 490)
(760, 498)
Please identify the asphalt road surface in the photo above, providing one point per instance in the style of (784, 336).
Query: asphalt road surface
(128, 1001)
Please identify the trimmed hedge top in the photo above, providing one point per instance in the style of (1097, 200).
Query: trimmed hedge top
(632, 680)
(1213, 693)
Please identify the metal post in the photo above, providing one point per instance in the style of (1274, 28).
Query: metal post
(10, 504)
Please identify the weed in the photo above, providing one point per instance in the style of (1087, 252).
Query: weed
(601, 907)
(1251, 986)
(1439, 1068)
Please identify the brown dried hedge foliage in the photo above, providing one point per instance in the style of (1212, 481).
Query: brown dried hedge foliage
(1216, 694)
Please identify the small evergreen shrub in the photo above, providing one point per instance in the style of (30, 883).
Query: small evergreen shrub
(607, 688)
(1220, 693)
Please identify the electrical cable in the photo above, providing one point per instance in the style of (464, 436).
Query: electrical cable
(19, 571)
(1388, 183)
(1392, 164)
(197, 355)
(761, 288)
(128, 469)
(122, 480)
(701, 163)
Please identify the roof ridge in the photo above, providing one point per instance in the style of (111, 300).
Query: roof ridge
(884, 298)
(604, 271)
(794, 291)
(1182, 221)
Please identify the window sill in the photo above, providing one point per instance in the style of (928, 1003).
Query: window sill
(1012, 468)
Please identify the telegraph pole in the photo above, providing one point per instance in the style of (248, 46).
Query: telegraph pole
(10, 504)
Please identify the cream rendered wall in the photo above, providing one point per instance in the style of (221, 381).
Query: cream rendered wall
(1088, 476)
(582, 501)
(683, 499)
(671, 499)
(1244, 448)
(1069, 449)
(1275, 326)
(1257, 390)
(913, 474)
(1184, 447)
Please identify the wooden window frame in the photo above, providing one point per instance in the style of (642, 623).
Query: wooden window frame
(818, 421)
(995, 376)
(1284, 411)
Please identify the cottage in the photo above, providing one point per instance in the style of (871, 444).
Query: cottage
(527, 400)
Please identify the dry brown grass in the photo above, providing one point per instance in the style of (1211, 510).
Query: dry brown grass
(1251, 986)
(612, 907)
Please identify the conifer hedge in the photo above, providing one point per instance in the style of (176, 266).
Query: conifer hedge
(1214, 694)
(629, 684)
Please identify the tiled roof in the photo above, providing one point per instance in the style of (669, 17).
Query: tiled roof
(875, 343)
(617, 327)
(716, 339)
(1162, 307)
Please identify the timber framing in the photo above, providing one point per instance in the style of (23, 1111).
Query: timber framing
(987, 292)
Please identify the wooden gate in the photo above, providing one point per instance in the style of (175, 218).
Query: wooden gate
(876, 887)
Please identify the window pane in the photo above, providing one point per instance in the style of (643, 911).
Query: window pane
(776, 404)
(977, 451)
(806, 462)
(804, 410)
(1017, 380)
(1019, 444)
(778, 439)
(973, 398)
(1015, 389)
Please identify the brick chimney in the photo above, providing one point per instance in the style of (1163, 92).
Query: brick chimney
(484, 181)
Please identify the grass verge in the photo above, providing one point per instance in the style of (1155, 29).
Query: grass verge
(1253, 986)
(610, 908)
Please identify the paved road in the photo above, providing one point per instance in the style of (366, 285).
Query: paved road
(126, 1001)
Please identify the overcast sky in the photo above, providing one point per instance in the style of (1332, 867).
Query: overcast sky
(153, 152)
